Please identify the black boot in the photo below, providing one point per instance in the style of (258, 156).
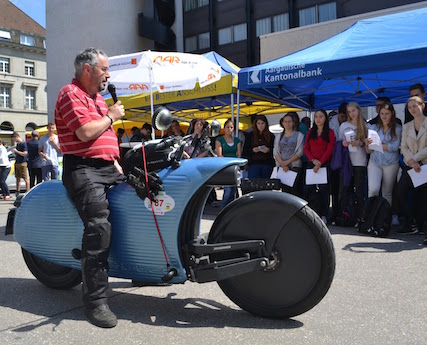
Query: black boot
(101, 316)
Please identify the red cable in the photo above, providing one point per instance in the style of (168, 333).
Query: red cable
(151, 202)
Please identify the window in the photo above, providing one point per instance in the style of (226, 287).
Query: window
(204, 40)
(317, 14)
(30, 98)
(190, 5)
(4, 65)
(203, 3)
(29, 68)
(307, 16)
(240, 32)
(327, 12)
(225, 35)
(5, 35)
(281, 22)
(232, 34)
(27, 40)
(191, 43)
(4, 97)
(263, 26)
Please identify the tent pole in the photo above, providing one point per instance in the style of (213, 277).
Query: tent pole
(232, 106)
(153, 134)
(237, 113)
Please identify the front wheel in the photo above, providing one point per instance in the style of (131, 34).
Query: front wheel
(302, 266)
(52, 275)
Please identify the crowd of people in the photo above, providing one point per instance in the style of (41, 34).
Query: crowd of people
(342, 135)
(36, 160)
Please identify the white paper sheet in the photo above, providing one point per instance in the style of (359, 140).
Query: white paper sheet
(420, 178)
(376, 141)
(349, 137)
(321, 177)
(287, 177)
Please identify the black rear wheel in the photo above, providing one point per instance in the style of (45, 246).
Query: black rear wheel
(52, 275)
(302, 266)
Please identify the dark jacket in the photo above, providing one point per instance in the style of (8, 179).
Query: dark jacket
(341, 161)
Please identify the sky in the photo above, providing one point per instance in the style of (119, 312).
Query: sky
(36, 9)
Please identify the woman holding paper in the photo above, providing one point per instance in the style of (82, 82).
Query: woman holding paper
(383, 143)
(353, 134)
(414, 151)
(318, 148)
(258, 149)
(288, 150)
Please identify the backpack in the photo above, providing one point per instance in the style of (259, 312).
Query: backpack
(377, 217)
(348, 209)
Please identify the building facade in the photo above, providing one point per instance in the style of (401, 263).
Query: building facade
(233, 28)
(116, 27)
(23, 94)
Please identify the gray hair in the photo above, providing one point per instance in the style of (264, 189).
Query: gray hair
(90, 56)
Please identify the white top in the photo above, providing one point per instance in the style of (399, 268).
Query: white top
(358, 157)
(4, 159)
(49, 150)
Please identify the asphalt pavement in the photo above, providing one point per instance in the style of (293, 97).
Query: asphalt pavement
(378, 296)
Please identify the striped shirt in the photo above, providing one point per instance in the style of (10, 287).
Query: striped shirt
(74, 108)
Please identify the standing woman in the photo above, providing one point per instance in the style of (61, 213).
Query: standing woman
(357, 152)
(414, 151)
(228, 146)
(4, 171)
(198, 126)
(259, 149)
(319, 146)
(383, 166)
(288, 150)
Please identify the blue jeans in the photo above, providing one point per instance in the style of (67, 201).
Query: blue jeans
(52, 169)
(259, 171)
(229, 195)
(4, 173)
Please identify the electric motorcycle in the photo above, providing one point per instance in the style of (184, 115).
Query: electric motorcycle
(269, 252)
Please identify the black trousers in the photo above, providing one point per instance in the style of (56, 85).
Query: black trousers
(87, 182)
(35, 176)
(417, 210)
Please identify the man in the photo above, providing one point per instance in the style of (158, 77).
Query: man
(48, 150)
(89, 145)
(419, 91)
(136, 135)
(338, 119)
(379, 103)
(34, 160)
(146, 132)
(20, 162)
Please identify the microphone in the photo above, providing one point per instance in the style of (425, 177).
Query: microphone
(112, 91)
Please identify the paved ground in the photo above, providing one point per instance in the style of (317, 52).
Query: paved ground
(378, 296)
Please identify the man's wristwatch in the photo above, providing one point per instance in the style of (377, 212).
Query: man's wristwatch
(111, 119)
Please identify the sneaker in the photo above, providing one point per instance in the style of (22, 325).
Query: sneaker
(425, 241)
(101, 316)
(324, 220)
(409, 229)
(395, 220)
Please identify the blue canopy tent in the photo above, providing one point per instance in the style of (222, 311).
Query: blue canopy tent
(380, 56)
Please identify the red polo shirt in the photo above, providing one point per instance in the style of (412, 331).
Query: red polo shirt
(74, 108)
